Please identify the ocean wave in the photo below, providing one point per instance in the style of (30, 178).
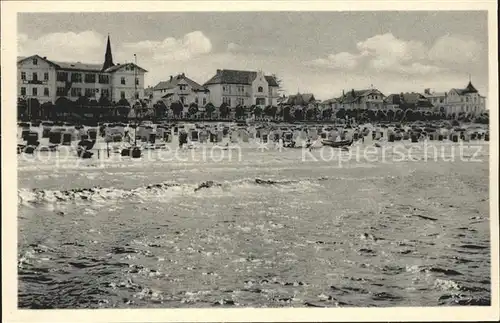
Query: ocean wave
(27, 197)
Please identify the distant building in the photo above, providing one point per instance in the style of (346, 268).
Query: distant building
(414, 101)
(437, 99)
(362, 99)
(302, 99)
(46, 80)
(182, 89)
(467, 100)
(333, 104)
(244, 88)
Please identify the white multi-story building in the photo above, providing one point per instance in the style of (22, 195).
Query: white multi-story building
(47, 80)
(244, 88)
(467, 100)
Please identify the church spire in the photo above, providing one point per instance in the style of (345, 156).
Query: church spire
(108, 57)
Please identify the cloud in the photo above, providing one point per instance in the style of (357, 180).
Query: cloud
(455, 50)
(386, 53)
(86, 46)
(170, 49)
(391, 49)
(342, 60)
(233, 47)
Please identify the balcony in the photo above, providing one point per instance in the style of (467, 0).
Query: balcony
(34, 82)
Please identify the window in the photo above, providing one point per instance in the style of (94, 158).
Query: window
(260, 101)
(260, 89)
(123, 80)
(196, 100)
(46, 91)
(467, 99)
(226, 100)
(76, 77)
(241, 89)
(136, 95)
(62, 76)
(204, 101)
(89, 78)
(35, 61)
(226, 88)
(441, 100)
(76, 92)
(90, 93)
(61, 91)
(182, 87)
(23, 75)
(35, 76)
(23, 91)
(240, 101)
(461, 99)
(103, 79)
(35, 91)
(105, 92)
(183, 99)
(46, 76)
(136, 81)
(122, 94)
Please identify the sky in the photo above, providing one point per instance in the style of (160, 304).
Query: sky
(322, 53)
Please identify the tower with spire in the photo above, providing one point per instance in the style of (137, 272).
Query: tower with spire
(108, 57)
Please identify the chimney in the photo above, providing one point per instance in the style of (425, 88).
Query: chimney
(182, 74)
(171, 77)
(219, 71)
(427, 91)
(352, 92)
(343, 94)
(45, 57)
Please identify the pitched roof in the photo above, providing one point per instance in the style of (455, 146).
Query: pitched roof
(238, 77)
(300, 99)
(23, 58)
(416, 99)
(79, 66)
(352, 96)
(271, 80)
(470, 88)
(170, 84)
(119, 66)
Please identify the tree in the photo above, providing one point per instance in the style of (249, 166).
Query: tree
(341, 113)
(224, 110)
(257, 111)
(82, 101)
(22, 109)
(390, 115)
(209, 109)
(160, 109)
(286, 113)
(310, 114)
(47, 110)
(298, 113)
(193, 109)
(239, 111)
(177, 108)
(64, 106)
(280, 85)
(33, 108)
(104, 101)
(327, 113)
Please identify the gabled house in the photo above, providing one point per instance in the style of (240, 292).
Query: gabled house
(181, 88)
(242, 88)
(362, 99)
(301, 99)
(415, 101)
